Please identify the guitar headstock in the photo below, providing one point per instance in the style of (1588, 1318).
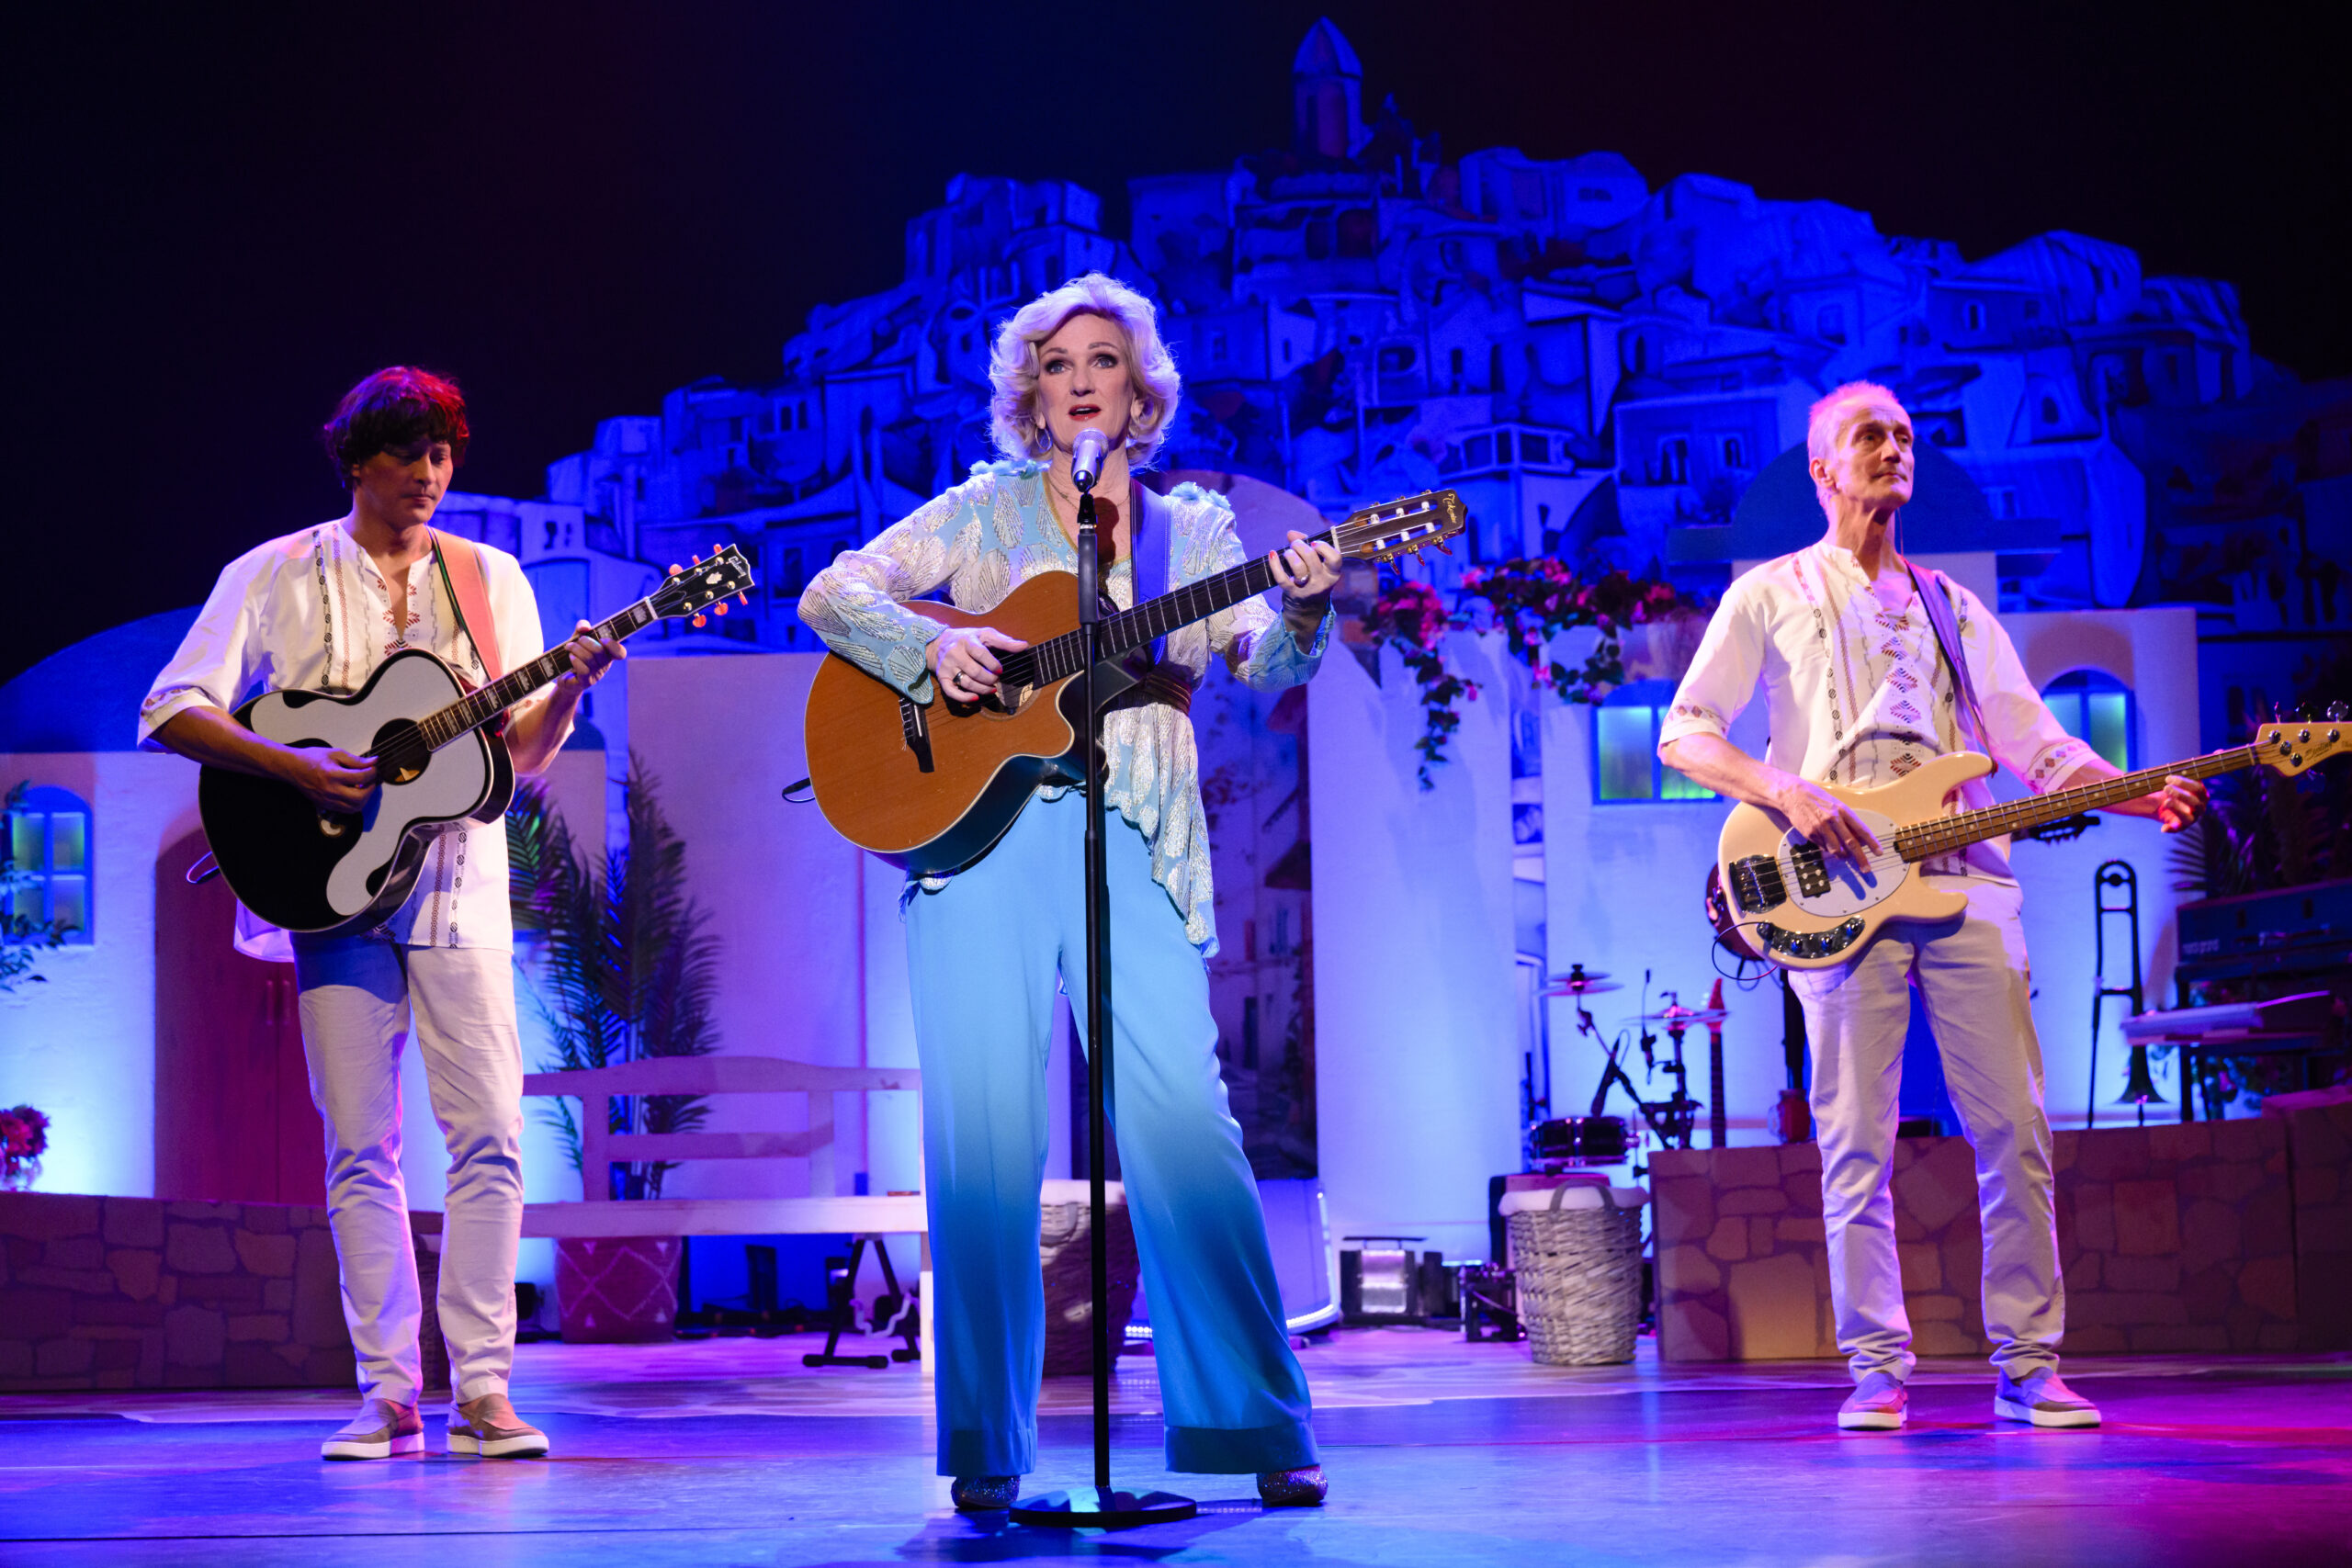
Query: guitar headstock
(2292, 745)
(1414, 523)
(690, 591)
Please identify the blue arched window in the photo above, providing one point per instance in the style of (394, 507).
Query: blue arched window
(2094, 707)
(49, 860)
(1624, 747)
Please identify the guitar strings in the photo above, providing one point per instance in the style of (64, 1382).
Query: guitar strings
(478, 708)
(1948, 833)
(1062, 655)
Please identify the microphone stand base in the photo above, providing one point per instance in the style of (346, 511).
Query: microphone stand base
(1084, 1507)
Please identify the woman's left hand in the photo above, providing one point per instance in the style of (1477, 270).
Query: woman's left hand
(1307, 570)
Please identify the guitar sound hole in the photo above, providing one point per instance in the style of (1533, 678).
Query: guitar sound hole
(400, 753)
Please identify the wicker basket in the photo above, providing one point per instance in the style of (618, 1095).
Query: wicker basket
(1579, 1274)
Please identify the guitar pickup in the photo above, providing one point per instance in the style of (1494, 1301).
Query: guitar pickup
(1813, 874)
(1756, 884)
(917, 732)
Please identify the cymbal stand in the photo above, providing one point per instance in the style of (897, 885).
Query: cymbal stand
(1612, 1074)
(1679, 1111)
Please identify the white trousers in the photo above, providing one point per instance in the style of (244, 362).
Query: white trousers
(1971, 972)
(359, 998)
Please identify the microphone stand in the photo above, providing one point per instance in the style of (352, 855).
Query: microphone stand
(1098, 1507)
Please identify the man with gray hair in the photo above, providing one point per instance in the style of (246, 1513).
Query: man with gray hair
(1856, 646)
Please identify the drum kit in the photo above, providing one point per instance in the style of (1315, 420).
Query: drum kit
(1599, 1138)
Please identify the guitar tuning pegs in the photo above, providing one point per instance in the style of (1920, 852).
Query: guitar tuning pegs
(676, 569)
(2337, 713)
(744, 597)
(720, 609)
(702, 620)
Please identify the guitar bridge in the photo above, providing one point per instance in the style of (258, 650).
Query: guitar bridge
(1813, 874)
(1811, 944)
(1756, 884)
(917, 732)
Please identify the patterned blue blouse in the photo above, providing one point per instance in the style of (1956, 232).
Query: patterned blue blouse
(994, 532)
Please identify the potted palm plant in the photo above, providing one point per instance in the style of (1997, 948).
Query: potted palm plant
(627, 968)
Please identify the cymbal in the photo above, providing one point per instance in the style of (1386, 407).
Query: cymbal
(1579, 972)
(1688, 1015)
(1583, 988)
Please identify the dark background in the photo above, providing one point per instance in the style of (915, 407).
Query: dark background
(219, 217)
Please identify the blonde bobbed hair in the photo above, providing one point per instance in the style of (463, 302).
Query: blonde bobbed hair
(1012, 367)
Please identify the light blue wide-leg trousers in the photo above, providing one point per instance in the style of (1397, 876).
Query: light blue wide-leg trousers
(985, 953)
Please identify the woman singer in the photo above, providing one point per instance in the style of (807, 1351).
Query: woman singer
(987, 944)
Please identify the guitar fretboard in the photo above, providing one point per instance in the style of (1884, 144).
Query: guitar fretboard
(1946, 834)
(483, 703)
(1045, 662)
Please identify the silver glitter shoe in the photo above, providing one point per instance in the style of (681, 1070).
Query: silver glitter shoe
(984, 1494)
(1303, 1488)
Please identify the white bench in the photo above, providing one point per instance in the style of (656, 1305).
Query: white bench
(826, 1211)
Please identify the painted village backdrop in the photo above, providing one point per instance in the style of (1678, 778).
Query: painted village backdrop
(1613, 374)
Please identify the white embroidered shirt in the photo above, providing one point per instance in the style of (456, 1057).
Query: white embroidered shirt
(310, 612)
(1860, 694)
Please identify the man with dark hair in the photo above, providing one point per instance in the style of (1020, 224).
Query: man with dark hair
(395, 408)
(318, 610)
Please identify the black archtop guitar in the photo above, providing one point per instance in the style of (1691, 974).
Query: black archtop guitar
(437, 761)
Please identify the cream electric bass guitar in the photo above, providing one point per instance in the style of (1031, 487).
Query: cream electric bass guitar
(1774, 894)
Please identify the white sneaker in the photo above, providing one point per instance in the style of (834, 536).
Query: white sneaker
(489, 1426)
(381, 1430)
(2042, 1400)
(1878, 1403)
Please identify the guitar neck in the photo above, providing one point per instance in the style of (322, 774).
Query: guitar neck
(1945, 834)
(480, 706)
(1129, 630)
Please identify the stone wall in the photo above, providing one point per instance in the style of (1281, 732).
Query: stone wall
(2318, 1153)
(2173, 1238)
(141, 1292)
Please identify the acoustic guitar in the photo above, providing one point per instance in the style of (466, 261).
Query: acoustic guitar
(437, 758)
(1776, 894)
(930, 786)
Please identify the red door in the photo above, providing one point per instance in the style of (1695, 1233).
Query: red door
(233, 1117)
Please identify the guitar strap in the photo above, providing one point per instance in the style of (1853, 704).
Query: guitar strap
(461, 575)
(1934, 598)
(1148, 543)
(1151, 546)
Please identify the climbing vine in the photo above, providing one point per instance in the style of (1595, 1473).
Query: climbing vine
(1530, 603)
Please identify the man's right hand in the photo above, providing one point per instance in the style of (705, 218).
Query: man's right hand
(333, 780)
(1825, 819)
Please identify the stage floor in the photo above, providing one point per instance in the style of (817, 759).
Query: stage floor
(729, 1451)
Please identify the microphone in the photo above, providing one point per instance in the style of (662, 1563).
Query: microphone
(1086, 456)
